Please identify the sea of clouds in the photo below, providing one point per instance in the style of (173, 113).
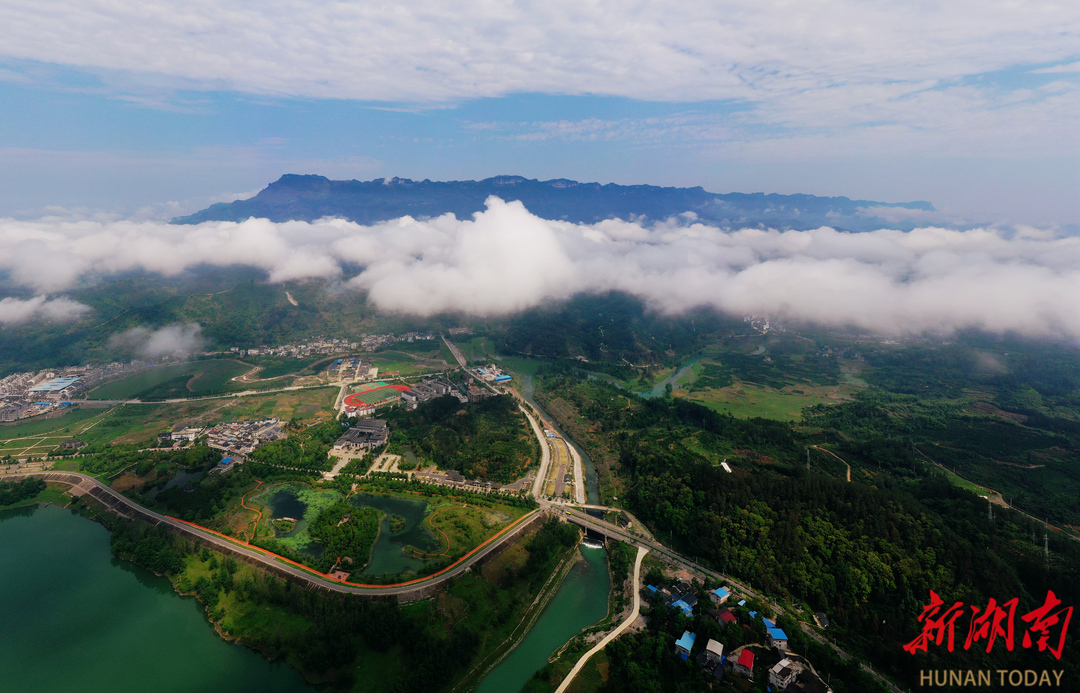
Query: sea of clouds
(506, 259)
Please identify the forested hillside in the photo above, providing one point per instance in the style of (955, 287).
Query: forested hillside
(867, 552)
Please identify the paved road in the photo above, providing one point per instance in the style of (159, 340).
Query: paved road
(545, 454)
(618, 631)
(83, 484)
(612, 531)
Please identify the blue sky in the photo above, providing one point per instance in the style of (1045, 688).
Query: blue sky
(145, 110)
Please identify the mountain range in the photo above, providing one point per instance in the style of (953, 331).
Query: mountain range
(310, 197)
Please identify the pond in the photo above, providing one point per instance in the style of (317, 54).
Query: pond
(387, 556)
(304, 503)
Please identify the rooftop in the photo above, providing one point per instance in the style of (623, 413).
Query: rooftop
(777, 634)
(686, 641)
(56, 384)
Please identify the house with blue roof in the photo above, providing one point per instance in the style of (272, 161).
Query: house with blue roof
(684, 644)
(777, 638)
(719, 595)
(684, 607)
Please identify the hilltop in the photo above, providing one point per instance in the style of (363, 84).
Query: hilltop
(310, 197)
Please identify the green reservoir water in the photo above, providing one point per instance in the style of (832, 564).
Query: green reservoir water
(387, 557)
(77, 620)
(580, 602)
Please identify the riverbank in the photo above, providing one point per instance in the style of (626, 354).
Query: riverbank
(346, 642)
(528, 619)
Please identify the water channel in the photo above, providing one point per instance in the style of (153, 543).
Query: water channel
(580, 602)
(77, 619)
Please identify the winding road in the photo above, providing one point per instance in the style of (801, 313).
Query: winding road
(414, 589)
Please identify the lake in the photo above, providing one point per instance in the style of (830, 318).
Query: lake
(77, 619)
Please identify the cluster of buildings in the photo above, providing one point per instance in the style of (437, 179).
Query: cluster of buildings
(475, 394)
(365, 434)
(180, 435)
(493, 374)
(242, 437)
(325, 345)
(428, 389)
(791, 673)
(352, 368)
(36, 392)
(312, 347)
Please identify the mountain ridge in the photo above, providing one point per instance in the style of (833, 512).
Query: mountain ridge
(307, 197)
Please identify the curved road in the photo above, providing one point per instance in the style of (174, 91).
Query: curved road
(120, 504)
(618, 631)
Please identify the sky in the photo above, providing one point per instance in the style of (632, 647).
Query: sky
(141, 111)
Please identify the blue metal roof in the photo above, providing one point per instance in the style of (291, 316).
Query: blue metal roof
(686, 641)
(686, 608)
(768, 623)
(721, 592)
(777, 634)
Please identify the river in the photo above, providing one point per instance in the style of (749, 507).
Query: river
(76, 619)
(580, 602)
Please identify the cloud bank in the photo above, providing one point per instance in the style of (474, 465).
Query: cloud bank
(506, 259)
(15, 311)
(176, 339)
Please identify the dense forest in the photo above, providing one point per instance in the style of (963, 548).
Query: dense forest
(487, 440)
(347, 533)
(866, 552)
(306, 449)
(12, 492)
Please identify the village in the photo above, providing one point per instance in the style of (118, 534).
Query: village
(769, 652)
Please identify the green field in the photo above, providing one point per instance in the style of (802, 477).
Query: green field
(128, 423)
(380, 395)
(277, 366)
(193, 379)
(523, 366)
(747, 400)
(475, 349)
(387, 363)
(57, 426)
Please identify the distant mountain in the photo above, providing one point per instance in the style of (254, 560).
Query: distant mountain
(306, 198)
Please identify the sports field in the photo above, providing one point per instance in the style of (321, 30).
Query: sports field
(376, 393)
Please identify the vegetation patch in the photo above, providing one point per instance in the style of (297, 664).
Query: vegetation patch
(487, 440)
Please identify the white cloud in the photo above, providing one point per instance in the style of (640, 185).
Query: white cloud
(505, 259)
(178, 339)
(432, 51)
(15, 311)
